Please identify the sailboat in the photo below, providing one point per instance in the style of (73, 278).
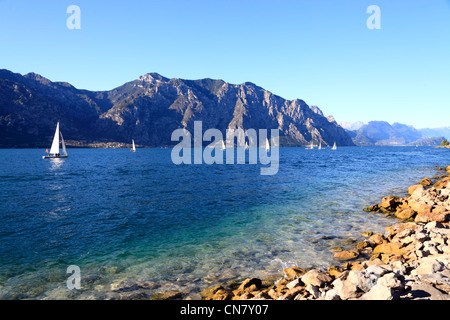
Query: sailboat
(54, 150)
(133, 148)
(223, 145)
(334, 146)
(246, 145)
(311, 146)
(267, 145)
(320, 145)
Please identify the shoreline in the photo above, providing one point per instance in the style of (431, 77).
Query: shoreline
(409, 261)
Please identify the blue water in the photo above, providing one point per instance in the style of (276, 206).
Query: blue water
(137, 216)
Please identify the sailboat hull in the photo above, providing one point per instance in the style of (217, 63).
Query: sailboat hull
(54, 157)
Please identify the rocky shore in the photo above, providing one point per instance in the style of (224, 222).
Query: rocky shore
(409, 261)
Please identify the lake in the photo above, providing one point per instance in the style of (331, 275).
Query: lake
(137, 216)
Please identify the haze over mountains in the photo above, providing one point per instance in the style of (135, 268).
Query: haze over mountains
(381, 133)
(149, 109)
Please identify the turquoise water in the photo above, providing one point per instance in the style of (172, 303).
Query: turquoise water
(137, 216)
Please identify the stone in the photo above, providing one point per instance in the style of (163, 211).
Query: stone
(390, 203)
(374, 208)
(377, 238)
(251, 283)
(378, 292)
(414, 188)
(262, 296)
(426, 182)
(346, 255)
(441, 184)
(332, 294)
(405, 213)
(429, 265)
(389, 248)
(390, 280)
(346, 289)
(420, 207)
(425, 291)
(316, 277)
(291, 293)
(294, 283)
(216, 293)
(335, 271)
(313, 290)
(293, 272)
(435, 215)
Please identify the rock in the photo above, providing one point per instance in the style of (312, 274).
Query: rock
(216, 293)
(367, 234)
(294, 283)
(389, 248)
(405, 213)
(414, 188)
(316, 277)
(346, 289)
(377, 238)
(332, 295)
(335, 271)
(291, 293)
(313, 290)
(374, 208)
(378, 292)
(426, 182)
(253, 283)
(346, 255)
(441, 184)
(420, 207)
(436, 215)
(170, 295)
(262, 296)
(390, 203)
(424, 291)
(429, 265)
(293, 272)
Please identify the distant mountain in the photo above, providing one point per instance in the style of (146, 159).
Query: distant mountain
(435, 132)
(149, 109)
(381, 133)
(352, 126)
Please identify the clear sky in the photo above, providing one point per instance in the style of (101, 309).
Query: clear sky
(320, 51)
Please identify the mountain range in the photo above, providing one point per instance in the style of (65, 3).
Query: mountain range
(382, 133)
(149, 109)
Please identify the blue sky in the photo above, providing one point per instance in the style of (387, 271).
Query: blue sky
(320, 51)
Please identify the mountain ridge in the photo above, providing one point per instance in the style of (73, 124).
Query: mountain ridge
(149, 109)
(382, 133)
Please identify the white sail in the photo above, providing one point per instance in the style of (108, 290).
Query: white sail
(320, 145)
(246, 145)
(267, 145)
(223, 145)
(55, 144)
(134, 146)
(64, 151)
(334, 146)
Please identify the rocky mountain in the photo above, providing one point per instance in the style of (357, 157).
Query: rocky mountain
(149, 109)
(381, 133)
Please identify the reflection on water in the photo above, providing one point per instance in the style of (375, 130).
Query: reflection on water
(56, 163)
